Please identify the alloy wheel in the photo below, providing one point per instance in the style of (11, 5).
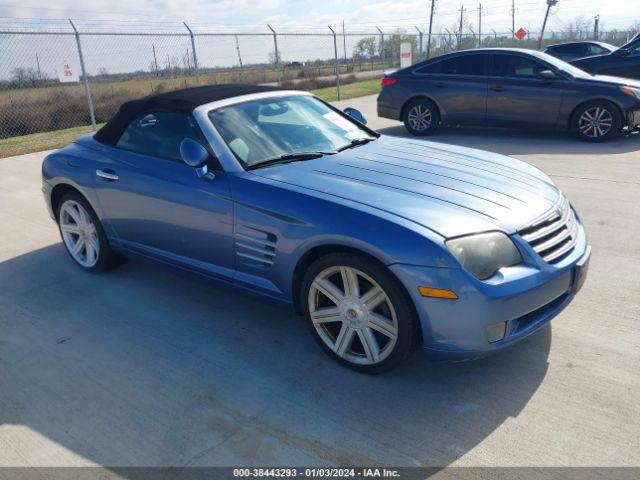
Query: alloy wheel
(595, 122)
(79, 233)
(419, 117)
(353, 315)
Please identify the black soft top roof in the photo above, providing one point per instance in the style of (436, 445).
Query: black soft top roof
(183, 101)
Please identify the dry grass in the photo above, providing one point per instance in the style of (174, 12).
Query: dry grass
(33, 110)
(37, 142)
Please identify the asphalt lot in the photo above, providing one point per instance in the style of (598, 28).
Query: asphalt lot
(144, 367)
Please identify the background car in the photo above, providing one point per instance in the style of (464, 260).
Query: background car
(622, 62)
(510, 88)
(572, 50)
(382, 244)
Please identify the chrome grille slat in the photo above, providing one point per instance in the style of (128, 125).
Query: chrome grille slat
(562, 234)
(268, 253)
(255, 248)
(255, 258)
(553, 234)
(543, 232)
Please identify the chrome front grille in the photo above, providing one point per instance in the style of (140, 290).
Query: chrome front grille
(554, 234)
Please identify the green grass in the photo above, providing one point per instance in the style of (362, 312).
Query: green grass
(351, 90)
(37, 142)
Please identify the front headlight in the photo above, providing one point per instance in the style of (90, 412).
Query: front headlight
(632, 92)
(485, 253)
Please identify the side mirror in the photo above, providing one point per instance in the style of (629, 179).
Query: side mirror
(196, 156)
(621, 52)
(356, 115)
(547, 75)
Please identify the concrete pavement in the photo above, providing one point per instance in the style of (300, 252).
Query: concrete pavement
(144, 367)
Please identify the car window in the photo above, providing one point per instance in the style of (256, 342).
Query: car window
(265, 129)
(463, 65)
(593, 49)
(516, 66)
(572, 48)
(159, 134)
(634, 49)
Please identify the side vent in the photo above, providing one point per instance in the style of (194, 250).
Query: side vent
(255, 248)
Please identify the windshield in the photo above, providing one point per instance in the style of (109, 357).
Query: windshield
(562, 65)
(264, 130)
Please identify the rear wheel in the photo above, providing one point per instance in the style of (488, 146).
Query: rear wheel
(421, 117)
(358, 312)
(596, 121)
(83, 235)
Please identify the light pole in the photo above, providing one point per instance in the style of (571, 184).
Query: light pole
(433, 2)
(550, 3)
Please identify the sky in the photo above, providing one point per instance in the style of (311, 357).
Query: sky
(315, 15)
(120, 54)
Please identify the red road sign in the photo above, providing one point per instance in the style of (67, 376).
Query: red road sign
(521, 33)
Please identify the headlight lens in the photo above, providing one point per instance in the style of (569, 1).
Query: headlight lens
(633, 92)
(485, 253)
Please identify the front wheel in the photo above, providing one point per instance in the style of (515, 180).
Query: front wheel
(358, 312)
(596, 121)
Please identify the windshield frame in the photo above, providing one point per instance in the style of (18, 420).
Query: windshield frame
(221, 147)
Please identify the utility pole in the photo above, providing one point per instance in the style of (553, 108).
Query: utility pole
(596, 22)
(461, 22)
(337, 67)
(480, 26)
(513, 19)
(433, 2)
(238, 50)
(550, 3)
(344, 42)
(381, 46)
(155, 59)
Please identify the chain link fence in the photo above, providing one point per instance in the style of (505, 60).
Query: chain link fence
(64, 78)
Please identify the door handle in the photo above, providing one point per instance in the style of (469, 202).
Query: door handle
(440, 84)
(498, 88)
(107, 175)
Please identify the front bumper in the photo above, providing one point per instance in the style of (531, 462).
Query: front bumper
(633, 120)
(516, 303)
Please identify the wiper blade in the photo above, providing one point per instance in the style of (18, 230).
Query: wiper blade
(356, 142)
(288, 158)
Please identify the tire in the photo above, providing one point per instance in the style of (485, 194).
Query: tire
(80, 227)
(371, 330)
(421, 117)
(596, 121)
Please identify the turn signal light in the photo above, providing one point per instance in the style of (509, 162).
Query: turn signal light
(437, 293)
(386, 81)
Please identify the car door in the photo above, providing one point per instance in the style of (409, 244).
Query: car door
(625, 65)
(156, 205)
(516, 96)
(459, 86)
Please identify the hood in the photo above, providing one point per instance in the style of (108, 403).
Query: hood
(617, 80)
(448, 189)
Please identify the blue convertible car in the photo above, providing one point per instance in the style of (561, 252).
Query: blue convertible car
(383, 244)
